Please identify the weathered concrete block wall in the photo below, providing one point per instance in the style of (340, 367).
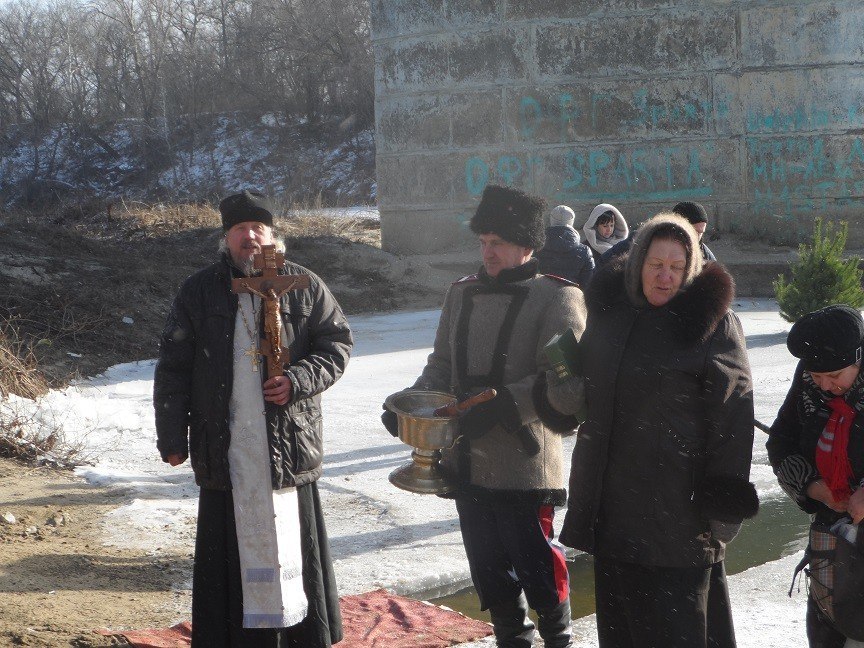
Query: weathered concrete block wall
(753, 107)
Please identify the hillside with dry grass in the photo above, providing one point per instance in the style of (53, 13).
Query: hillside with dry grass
(88, 285)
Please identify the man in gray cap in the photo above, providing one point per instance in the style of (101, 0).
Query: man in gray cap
(509, 465)
(263, 576)
(564, 254)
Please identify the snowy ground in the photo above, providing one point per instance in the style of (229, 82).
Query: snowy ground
(357, 211)
(382, 536)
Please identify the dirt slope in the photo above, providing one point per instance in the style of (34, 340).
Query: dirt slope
(91, 288)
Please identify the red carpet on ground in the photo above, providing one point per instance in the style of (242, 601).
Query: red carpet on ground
(376, 619)
(178, 636)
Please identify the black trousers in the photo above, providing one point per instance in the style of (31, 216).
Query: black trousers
(820, 632)
(217, 591)
(640, 606)
(509, 550)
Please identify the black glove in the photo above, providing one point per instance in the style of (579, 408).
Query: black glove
(388, 418)
(481, 418)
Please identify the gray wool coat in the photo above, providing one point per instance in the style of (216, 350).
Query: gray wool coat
(491, 334)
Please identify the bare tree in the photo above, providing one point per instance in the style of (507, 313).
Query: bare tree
(68, 66)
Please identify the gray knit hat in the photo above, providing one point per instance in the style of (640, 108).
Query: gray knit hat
(561, 215)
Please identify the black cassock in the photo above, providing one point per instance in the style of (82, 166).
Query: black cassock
(217, 592)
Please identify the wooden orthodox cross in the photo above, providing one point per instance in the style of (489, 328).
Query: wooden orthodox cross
(270, 286)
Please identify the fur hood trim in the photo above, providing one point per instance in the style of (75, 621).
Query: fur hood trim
(697, 309)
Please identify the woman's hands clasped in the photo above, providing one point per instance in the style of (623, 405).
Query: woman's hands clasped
(854, 505)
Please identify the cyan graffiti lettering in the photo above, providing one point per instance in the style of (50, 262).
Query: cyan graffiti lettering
(476, 175)
(569, 112)
(509, 169)
(650, 174)
(640, 171)
(816, 161)
(534, 166)
(622, 170)
(801, 118)
(534, 114)
(668, 154)
(640, 103)
(694, 170)
(856, 152)
(575, 164)
(597, 161)
(530, 116)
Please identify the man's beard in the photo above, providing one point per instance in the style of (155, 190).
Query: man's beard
(247, 267)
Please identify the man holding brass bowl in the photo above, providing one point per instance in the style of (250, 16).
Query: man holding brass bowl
(507, 465)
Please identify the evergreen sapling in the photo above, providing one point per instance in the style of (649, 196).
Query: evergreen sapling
(821, 276)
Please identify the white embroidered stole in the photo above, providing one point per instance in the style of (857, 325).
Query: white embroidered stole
(268, 521)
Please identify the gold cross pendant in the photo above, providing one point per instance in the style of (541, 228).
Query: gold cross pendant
(254, 357)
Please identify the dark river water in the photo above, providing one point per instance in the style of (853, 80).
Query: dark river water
(778, 530)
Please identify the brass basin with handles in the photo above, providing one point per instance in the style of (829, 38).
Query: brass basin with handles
(428, 435)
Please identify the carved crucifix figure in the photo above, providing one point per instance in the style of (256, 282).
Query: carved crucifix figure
(270, 286)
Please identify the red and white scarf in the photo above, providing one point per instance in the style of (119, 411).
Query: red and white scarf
(832, 459)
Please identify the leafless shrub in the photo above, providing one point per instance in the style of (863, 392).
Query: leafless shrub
(134, 219)
(354, 229)
(23, 435)
(312, 220)
(162, 219)
(27, 437)
(18, 372)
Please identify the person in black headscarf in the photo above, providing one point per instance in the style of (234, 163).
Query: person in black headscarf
(816, 444)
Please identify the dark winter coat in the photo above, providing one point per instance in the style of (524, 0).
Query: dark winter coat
(194, 374)
(491, 334)
(621, 247)
(565, 256)
(796, 431)
(664, 454)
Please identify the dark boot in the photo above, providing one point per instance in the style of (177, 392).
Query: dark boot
(513, 628)
(554, 625)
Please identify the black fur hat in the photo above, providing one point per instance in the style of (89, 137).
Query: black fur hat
(511, 214)
(246, 206)
(827, 339)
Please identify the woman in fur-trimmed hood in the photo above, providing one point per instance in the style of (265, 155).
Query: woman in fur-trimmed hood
(659, 477)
